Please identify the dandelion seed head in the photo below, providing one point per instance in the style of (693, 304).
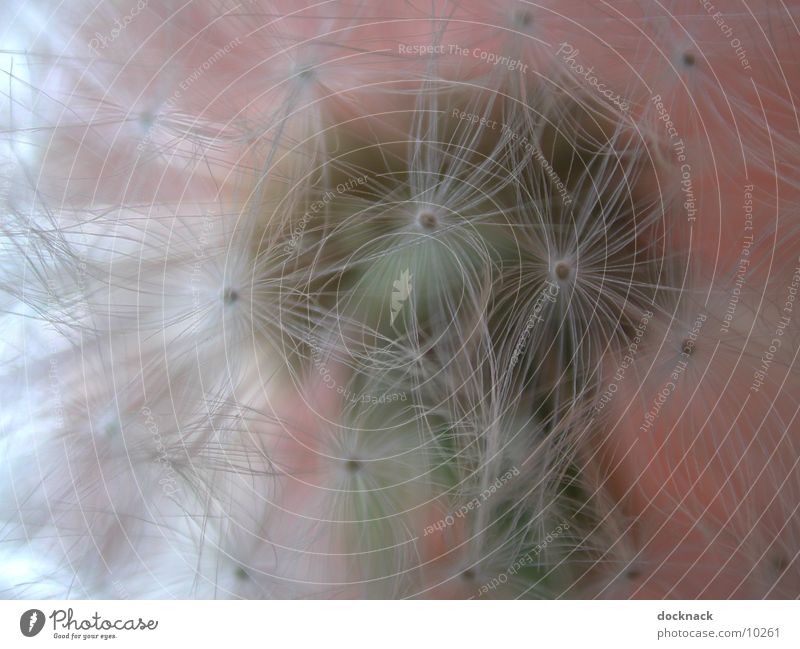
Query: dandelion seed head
(299, 301)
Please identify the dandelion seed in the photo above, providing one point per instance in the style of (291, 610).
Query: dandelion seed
(427, 220)
(353, 466)
(562, 270)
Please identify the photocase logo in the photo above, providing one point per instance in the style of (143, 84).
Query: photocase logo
(400, 294)
(31, 622)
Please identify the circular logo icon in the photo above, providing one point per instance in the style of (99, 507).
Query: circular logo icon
(31, 622)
